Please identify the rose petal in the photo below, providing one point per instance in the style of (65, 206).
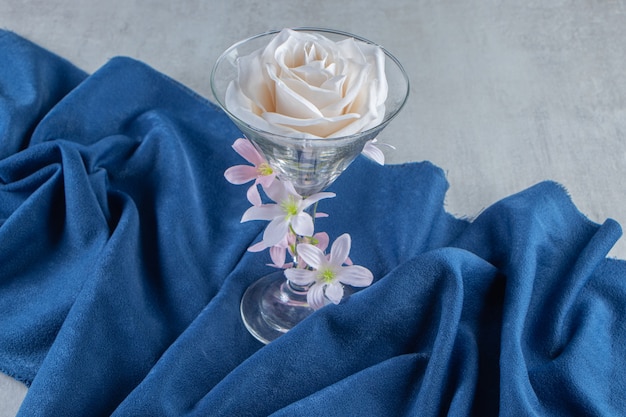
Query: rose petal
(318, 96)
(354, 83)
(245, 109)
(289, 102)
(320, 127)
(254, 82)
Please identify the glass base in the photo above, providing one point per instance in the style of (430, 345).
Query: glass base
(272, 306)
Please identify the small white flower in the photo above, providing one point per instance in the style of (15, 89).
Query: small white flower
(328, 272)
(288, 212)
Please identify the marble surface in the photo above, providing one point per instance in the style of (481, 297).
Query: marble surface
(503, 95)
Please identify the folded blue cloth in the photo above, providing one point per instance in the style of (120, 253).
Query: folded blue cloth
(123, 261)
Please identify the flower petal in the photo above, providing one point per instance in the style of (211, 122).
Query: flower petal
(240, 174)
(278, 254)
(289, 102)
(315, 296)
(276, 191)
(262, 212)
(320, 127)
(315, 198)
(334, 292)
(302, 224)
(300, 276)
(275, 231)
(266, 180)
(291, 189)
(340, 249)
(322, 240)
(374, 153)
(312, 255)
(253, 195)
(257, 247)
(355, 275)
(246, 149)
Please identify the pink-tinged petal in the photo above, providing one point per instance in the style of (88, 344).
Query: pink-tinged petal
(322, 240)
(300, 276)
(278, 255)
(355, 275)
(302, 224)
(276, 191)
(334, 292)
(275, 231)
(240, 174)
(312, 255)
(266, 180)
(340, 249)
(253, 195)
(315, 296)
(348, 261)
(246, 149)
(319, 215)
(315, 198)
(257, 247)
(262, 212)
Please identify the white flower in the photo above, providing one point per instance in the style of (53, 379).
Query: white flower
(373, 152)
(288, 212)
(303, 84)
(329, 272)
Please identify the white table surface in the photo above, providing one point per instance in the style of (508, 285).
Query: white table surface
(504, 94)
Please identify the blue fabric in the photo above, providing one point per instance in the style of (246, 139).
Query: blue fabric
(123, 261)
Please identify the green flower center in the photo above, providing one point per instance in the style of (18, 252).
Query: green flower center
(327, 275)
(290, 206)
(265, 169)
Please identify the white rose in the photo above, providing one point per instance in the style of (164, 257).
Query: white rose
(305, 85)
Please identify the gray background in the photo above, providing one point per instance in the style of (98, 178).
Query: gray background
(504, 94)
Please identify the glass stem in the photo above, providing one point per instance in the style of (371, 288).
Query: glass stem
(311, 210)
